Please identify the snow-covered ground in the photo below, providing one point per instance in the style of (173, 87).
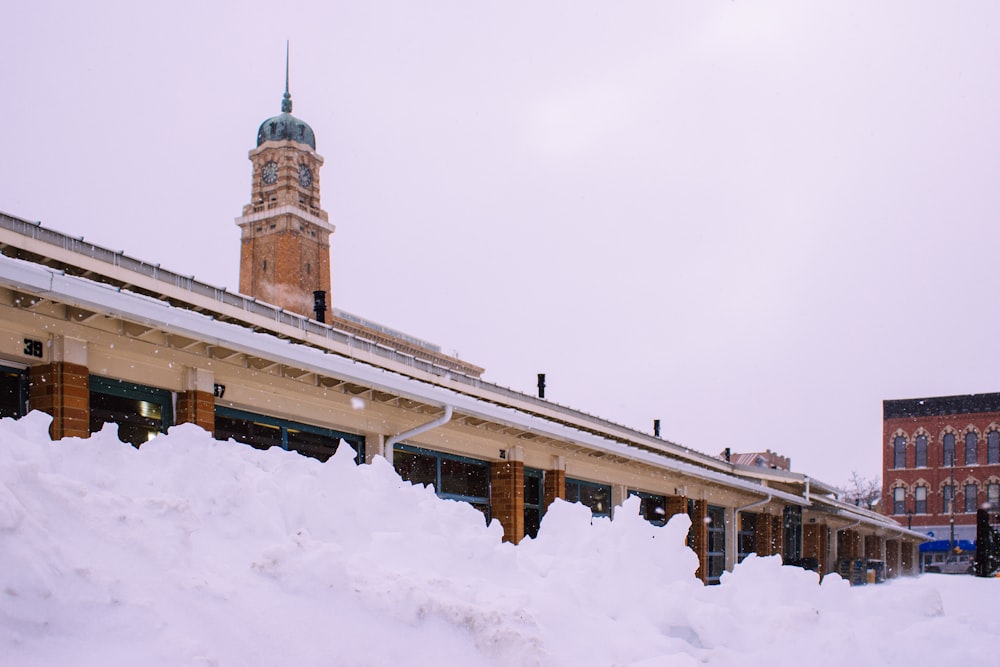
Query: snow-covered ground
(196, 552)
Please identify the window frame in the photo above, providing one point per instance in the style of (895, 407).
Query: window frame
(971, 447)
(645, 497)
(284, 425)
(898, 452)
(920, 504)
(133, 391)
(920, 451)
(949, 438)
(971, 508)
(580, 484)
(715, 558)
(539, 507)
(899, 500)
(481, 503)
(993, 447)
(19, 375)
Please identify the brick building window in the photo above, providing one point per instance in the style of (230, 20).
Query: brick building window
(920, 500)
(971, 498)
(921, 452)
(899, 452)
(993, 447)
(993, 495)
(971, 442)
(899, 500)
(949, 449)
(595, 496)
(947, 496)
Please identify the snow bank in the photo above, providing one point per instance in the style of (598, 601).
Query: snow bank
(197, 552)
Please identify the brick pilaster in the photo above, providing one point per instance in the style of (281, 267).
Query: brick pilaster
(815, 544)
(698, 536)
(777, 535)
(507, 498)
(892, 558)
(62, 389)
(196, 407)
(675, 505)
(763, 542)
(554, 486)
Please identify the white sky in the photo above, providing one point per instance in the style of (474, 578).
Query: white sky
(753, 221)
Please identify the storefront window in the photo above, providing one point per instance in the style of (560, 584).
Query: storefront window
(263, 432)
(595, 496)
(140, 412)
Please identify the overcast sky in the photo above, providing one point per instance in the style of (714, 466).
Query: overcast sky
(751, 220)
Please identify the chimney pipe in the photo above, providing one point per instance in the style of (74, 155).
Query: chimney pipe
(319, 305)
(656, 428)
(541, 385)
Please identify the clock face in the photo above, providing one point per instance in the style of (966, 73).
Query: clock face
(305, 176)
(269, 173)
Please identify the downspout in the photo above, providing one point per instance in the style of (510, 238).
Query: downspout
(391, 442)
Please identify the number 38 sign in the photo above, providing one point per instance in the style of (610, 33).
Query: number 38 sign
(33, 348)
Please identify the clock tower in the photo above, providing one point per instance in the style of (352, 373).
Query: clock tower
(285, 235)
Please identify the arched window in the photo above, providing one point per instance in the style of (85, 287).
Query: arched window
(920, 500)
(898, 500)
(921, 451)
(971, 442)
(971, 498)
(949, 449)
(993, 447)
(899, 452)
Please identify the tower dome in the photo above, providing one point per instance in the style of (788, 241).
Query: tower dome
(285, 126)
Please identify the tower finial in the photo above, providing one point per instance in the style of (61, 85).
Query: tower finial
(286, 101)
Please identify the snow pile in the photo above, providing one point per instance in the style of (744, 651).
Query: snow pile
(196, 552)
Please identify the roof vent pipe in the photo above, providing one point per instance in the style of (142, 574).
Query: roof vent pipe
(541, 385)
(656, 428)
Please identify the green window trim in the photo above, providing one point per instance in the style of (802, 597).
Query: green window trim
(285, 430)
(440, 461)
(592, 494)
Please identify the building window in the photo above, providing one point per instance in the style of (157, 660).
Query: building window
(899, 452)
(595, 496)
(791, 548)
(947, 495)
(13, 392)
(262, 432)
(899, 500)
(716, 543)
(921, 452)
(993, 447)
(993, 495)
(971, 498)
(971, 441)
(949, 449)
(453, 477)
(652, 508)
(533, 500)
(140, 412)
(746, 536)
(920, 500)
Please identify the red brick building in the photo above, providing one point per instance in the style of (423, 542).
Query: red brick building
(941, 462)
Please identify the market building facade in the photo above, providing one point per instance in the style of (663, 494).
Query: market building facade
(91, 336)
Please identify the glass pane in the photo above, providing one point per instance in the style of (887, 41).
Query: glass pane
(416, 468)
(532, 489)
(899, 452)
(971, 497)
(465, 478)
(532, 520)
(993, 448)
(313, 445)
(255, 434)
(653, 509)
(921, 453)
(11, 395)
(138, 421)
(971, 440)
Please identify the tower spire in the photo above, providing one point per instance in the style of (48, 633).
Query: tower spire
(286, 101)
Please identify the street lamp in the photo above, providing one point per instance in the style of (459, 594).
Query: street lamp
(909, 519)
